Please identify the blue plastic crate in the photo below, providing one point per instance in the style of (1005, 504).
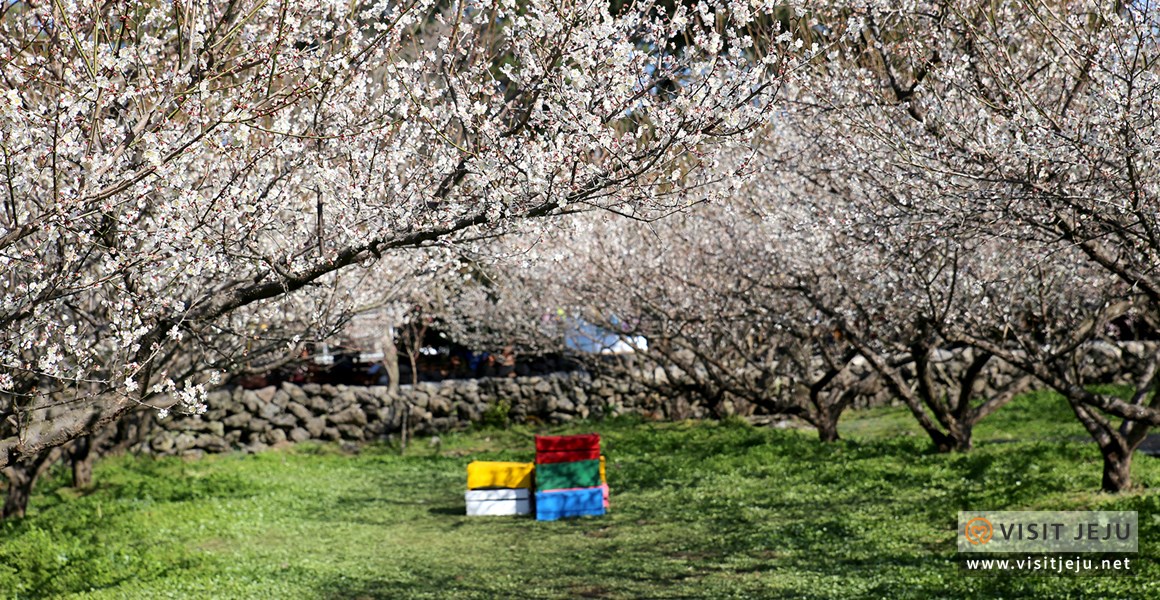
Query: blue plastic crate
(562, 504)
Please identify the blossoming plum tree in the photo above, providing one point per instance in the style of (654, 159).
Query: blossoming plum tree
(1030, 123)
(172, 168)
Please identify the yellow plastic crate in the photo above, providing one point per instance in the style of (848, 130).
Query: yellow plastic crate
(491, 474)
(603, 476)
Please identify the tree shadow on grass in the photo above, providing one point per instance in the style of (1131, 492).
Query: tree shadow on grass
(448, 511)
(427, 585)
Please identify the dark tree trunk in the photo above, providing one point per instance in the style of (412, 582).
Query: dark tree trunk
(406, 426)
(20, 479)
(1117, 451)
(1117, 470)
(1116, 446)
(950, 442)
(962, 436)
(828, 429)
(81, 457)
(22, 476)
(827, 407)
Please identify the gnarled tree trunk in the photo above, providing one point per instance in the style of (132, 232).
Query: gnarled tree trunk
(81, 456)
(827, 427)
(1117, 470)
(22, 476)
(1116, 445)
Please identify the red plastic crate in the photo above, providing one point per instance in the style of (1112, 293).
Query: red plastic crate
(566, 456)
(556, 443)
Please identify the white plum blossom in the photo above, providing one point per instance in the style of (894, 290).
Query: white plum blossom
(185, 187)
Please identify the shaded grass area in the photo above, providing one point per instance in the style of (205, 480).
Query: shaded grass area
(700, 510)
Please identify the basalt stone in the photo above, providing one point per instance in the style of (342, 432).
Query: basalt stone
(237, 421)
(256, 447)
(331, 434)
(252, 403)
(375, 429)
(186, 424)
(419, 398)
(295, 392)
(258, 425)
(183, 442)
(419, 429)
(218, 399)
(235, 406)
(213, 443)
(365, 398)
(392, 416)
(299, 434)
(351, 432)
(299, 411)
(281, 398)
(419, 415)
(315, 426)
(269, 410)
(344, 399)
(284, 420)
(469, 386)
(374, 415)
(444, 424)
(468, 412)
(274, 436)
(351, 416)
(266, 394)
(282, 445)
(380, 393)
(162, 443)
(439, 406)
(319, 404)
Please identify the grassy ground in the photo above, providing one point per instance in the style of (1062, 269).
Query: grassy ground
(705, 510)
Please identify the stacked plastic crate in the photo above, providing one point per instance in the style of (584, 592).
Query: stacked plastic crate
(499, 488)
(569, 477)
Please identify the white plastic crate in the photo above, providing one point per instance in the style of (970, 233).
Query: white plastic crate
(482, 503)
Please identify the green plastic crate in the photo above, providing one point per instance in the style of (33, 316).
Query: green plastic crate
(568, 475)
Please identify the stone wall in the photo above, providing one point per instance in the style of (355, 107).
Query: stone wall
(241, 419)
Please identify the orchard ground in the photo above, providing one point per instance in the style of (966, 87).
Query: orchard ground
(699, 510)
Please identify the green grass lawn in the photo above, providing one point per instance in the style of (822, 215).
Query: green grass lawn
(699, 510)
